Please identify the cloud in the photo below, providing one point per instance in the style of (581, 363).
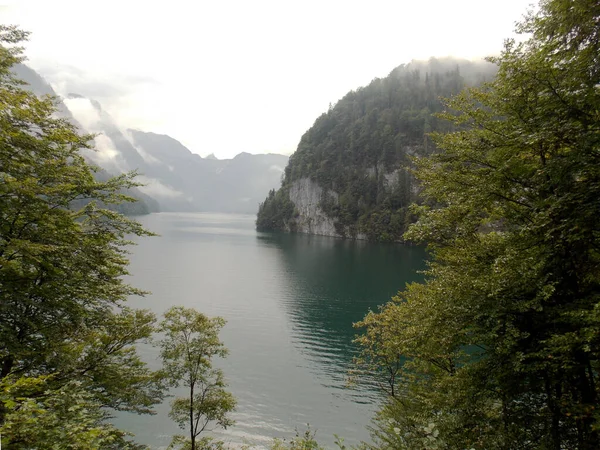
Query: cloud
(84, 112)
(106, 155)
(106, 149)
(67, 79)
(124, 96)
(276, 168)
(155, 188)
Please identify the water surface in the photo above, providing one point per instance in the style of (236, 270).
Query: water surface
(289, 302)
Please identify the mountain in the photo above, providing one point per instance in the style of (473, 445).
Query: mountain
(174, 178)
(36, 84)
(206, 184)
(349, 176)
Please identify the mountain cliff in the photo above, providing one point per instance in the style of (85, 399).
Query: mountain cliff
(174, 178)
(349, 176)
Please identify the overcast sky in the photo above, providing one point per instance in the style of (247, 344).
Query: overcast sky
(230, 76)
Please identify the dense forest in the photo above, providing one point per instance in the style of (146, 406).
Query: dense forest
(359, 152)
(500, 347)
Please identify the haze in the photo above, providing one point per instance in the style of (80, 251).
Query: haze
(227, 77)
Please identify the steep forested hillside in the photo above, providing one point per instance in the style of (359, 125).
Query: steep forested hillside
(349, 174)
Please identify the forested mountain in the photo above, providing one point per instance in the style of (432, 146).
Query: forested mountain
(500, 347)
(173, 178)
(349, 175)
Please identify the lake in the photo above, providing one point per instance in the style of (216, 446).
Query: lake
(289, 301)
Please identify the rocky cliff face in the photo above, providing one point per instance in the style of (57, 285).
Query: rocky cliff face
(306, 196)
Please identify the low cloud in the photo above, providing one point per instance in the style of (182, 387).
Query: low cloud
(119, 94)
(275, 168)
(106, 149)
(85, 113)
(106, 155)
(155, 188)
(66, 79)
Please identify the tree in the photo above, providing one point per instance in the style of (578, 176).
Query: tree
(500, 347)
(191, 342)
(306, 441)
(42, 415)
(62, 317)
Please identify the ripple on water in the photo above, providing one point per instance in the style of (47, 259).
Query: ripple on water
(289, 302)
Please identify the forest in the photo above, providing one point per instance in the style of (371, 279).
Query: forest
(361, 149)
(498, 348)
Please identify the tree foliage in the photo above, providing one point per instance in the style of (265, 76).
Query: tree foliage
(44, 414)
(191, 341)
(65, 335)
(500, 347)
(275, 212)
(306, 441)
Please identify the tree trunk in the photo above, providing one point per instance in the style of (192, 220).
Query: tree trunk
(192, 430)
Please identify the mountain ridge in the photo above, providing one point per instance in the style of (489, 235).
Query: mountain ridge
(175, 177)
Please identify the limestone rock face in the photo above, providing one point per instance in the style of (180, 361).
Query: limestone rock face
(306, 196)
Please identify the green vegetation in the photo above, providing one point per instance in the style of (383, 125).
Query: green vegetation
(306, 441)
(275, 212)
(66, 340)
(142, 204)
(361, 149)
(191, 341)
(138, 204)
(500, 347)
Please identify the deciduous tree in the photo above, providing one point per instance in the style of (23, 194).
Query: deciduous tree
(62, 290)
(191, 341)
(500, 347)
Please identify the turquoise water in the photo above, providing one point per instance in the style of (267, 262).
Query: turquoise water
(289, 302)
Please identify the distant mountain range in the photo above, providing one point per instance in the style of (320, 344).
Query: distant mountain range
(175, 179)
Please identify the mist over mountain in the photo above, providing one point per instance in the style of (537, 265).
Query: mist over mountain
(174, 178)
(35, 83)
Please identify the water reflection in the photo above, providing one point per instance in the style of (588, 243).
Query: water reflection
(334, 284)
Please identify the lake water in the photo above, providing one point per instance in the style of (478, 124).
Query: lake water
(289, 302)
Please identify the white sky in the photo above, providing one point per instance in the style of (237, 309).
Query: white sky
(230, 76)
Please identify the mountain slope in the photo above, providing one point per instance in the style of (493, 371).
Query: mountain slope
(208, 184)
(36, 84)
(179, 179)
(349, 176)
(176, 178)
